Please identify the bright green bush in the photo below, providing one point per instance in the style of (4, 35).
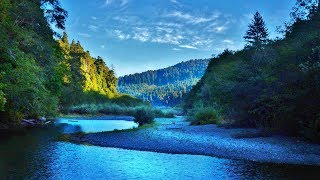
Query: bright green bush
(144, 116)
(204, 116)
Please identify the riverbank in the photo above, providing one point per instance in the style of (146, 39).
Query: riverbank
(177, 137)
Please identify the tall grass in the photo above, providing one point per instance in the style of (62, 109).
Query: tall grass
(143, 114)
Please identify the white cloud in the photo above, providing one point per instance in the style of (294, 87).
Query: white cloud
(102, 46)
(93, 28)
(168, 38)
(94, 18)
(169, 24)
(86, 35)
(228, 41)
(174, 1)
(119, 3)
(220, 29)
(141, 34)
(120, 35)
(193, 19)
(188, 46)
(176, 49)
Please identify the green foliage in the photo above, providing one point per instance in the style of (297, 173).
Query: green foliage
(26, 92)
(2, 101)
(164, 87)
(144, 116)
(202, 116)
(40, 74)
(84, 77)
(276, 86)
(29, 84)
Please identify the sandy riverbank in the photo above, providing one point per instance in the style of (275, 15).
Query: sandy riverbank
(209, 140)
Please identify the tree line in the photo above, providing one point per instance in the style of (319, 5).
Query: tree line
(164, 87)
(40, 75)
(273, 84)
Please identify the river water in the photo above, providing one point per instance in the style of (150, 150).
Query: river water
(39, 154)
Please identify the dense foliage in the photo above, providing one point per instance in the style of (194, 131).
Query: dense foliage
(39, 75)
(85, 75)
(29, 59)
(276, 86)
(165, 86)
(204, 116)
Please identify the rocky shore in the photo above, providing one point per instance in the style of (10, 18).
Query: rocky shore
(178, 137)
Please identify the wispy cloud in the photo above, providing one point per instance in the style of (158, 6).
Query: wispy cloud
(176, 49)
(185, 29)
(93, 28)
(174, 1)
(86, 35)
(228, 41)
(192, 19)
(141, 34)
(102, 46)
(188, 47)
(120, 35)
(189, 18)
(119, 3)
(220, 29)
(168, 38)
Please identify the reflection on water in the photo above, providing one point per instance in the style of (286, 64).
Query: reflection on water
(92, 125)
(38, 155)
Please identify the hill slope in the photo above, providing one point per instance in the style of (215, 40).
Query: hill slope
(274, 87)
(164, 86)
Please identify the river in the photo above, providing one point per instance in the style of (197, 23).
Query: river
(40, 154)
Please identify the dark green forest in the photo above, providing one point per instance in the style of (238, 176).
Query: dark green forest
(271, 83)
(41, 73)
(164, 87)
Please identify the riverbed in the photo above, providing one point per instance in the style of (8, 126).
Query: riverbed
(40, 154)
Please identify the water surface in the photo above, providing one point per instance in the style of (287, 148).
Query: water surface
(38, 154)
(93, 125)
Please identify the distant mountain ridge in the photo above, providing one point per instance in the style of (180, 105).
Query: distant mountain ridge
(166, 86)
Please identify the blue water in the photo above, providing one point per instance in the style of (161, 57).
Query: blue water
(39, 154)
(94, 125)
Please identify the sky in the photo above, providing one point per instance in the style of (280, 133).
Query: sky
(139, 35)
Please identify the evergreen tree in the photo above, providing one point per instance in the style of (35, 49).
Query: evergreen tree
(257, 34)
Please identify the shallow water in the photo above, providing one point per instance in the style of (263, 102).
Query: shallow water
(39, 154)
(94, 125)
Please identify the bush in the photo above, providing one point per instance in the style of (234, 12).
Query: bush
(144, 116)
(84, 109)
(169, 115)
(204, 116)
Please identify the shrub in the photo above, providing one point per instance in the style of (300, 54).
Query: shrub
(204, 116)
(84, 109)
(144, 116)
(169, 115)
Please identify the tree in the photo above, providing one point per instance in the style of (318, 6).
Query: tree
(305, 9)
(54, 13)
(257, 34)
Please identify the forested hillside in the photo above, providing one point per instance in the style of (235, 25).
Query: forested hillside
(164, 86)
(84, 74)
(39, 75)
(273, 84)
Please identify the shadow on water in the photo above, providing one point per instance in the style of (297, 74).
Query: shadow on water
(39, 154)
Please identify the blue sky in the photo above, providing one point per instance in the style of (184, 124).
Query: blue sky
(139, 35)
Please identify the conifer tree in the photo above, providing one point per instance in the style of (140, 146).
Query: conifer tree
(257, 33)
